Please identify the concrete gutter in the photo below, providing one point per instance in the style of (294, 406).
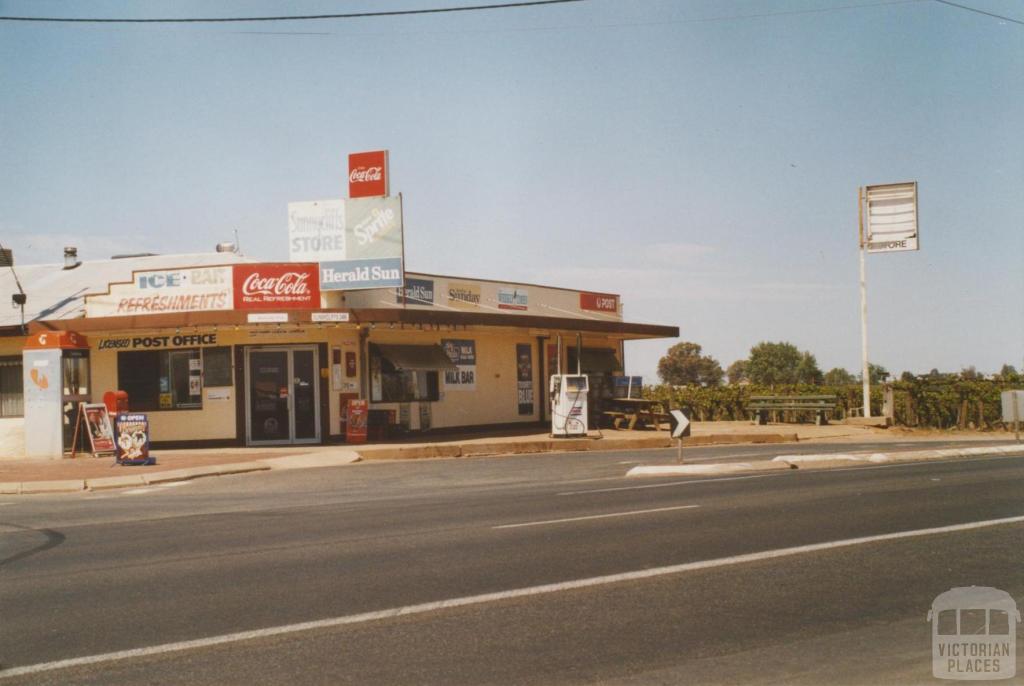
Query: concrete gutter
(564, 445)
(347, 456)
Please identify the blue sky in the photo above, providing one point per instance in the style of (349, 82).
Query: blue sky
(700, 158)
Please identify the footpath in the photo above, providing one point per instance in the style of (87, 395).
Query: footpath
(22, 476)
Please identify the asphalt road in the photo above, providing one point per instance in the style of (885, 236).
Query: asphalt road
(92, 574)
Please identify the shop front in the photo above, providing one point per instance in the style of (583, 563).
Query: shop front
(254, 354)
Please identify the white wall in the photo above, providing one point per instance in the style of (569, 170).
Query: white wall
(12, 438)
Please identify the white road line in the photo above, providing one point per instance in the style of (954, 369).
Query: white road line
(600, 516)
(154, 488)
(672, 483)
(490, 598)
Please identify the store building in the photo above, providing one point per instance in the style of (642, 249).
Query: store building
(221, 350)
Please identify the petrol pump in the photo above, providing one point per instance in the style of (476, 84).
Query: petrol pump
(569, 404)
(56, 379)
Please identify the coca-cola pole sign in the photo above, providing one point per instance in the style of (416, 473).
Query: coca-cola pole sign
(368, 174)
(292, 286)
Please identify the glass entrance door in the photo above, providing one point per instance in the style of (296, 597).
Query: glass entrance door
(283, 387)
(304, 382)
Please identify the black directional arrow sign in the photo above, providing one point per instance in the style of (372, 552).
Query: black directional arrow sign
(680, 422)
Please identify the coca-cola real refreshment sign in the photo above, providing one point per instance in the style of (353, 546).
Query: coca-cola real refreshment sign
(275, 286)
(368, 174)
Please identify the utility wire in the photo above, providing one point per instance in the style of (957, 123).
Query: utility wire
(350, 15)
(976, 10)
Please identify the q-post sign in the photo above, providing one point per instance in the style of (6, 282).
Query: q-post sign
(357, 242)
(890, 217)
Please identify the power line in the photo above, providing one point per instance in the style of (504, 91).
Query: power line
(786, 13)
(976, 10)
(350, 15)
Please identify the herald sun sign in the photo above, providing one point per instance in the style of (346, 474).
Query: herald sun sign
(368, 174)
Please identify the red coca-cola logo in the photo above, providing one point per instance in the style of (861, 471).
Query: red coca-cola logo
(285, 286)
(368, 174)
(361, 174)
(289, 283)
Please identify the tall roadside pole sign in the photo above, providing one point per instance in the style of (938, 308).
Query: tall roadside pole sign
(888, 223)
(680, 424)
(1013, 410)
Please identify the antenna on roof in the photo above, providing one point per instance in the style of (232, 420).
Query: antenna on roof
(238, 244)
(17, 299)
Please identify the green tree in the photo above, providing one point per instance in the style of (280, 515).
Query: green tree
(807, 370)
(908, 377)
(683, 364)
(1009, 373)
(971, 374)
(737, 372)
(774, 363)
(876, 374)
(837, 376)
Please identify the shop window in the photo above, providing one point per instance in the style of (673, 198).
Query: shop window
(161, 379)
(11, 394)
(391, 384)
(217, 366)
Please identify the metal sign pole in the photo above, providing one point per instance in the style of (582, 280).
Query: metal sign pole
(679, 450)
(863, 308)
(1016, 418)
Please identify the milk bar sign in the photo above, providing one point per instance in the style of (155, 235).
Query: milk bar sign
(462, 353)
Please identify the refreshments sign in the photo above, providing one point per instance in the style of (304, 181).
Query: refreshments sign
(276, 286)
(198, 289)
(368, 174)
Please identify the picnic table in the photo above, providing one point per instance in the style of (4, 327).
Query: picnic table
(632, 413)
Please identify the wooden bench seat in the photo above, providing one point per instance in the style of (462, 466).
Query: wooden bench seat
(821, 405)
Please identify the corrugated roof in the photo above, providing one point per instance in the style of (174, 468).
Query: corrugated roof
(55, 293)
